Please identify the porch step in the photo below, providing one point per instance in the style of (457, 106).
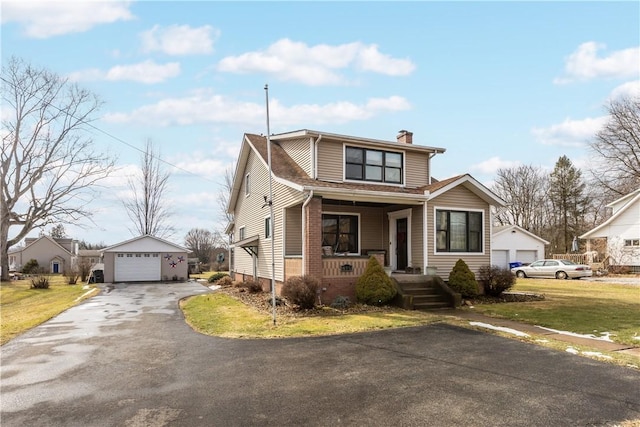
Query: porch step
(421, 290)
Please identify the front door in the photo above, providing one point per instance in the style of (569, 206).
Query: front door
(401, 243)
(55, 267)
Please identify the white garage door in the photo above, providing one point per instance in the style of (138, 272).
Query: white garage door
(526, 257)
(137, 267)
(500, 258)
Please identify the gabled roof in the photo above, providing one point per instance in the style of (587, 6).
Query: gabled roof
(146, 243)
(503, 229)
(51, 239)
(623, 204)
(438, 188)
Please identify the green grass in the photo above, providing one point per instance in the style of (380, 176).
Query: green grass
(22, 308)
(577, 306)
(222, 315)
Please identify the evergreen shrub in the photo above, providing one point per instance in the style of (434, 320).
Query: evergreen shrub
(374, 286)
(463, 280)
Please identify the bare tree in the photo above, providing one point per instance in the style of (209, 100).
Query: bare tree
(201, 242)
(523, 188)
(49, 166)
(223, 196)
(617, 148)
(148, 207)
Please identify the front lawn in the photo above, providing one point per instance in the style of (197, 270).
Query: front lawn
(578, 306)
(22, 308)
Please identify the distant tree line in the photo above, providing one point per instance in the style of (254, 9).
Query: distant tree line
(567, 202)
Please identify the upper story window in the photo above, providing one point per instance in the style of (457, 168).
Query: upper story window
(267, 227)
(247, 184)
(241, 233)
(458, 231)
(632, 242)
(363, 164)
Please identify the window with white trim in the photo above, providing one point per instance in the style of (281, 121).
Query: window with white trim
(363, 164)
(267, 227)
(241, 233)
(458, 231)
(632, 242)
(247, 184)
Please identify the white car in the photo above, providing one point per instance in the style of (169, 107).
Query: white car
(553, 268)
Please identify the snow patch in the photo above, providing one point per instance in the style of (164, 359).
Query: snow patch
(588, 353)
(214, 287)
(605, 336)
(499, 328)
(542, 341)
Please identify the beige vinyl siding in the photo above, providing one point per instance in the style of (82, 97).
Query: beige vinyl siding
(458, 198)
(416, 169)
(330, 161)
(417, 253)
(300, 151)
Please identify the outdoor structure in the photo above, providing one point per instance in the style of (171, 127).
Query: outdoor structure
(338, 199)
(621, 231)
(511, 244)
(53, 255)
(144, 259)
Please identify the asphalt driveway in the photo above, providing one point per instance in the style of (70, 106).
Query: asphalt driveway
(127, 358)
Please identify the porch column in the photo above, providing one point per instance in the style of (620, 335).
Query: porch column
(313, 239)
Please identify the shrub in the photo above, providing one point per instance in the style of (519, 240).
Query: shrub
(30, 266)
(224, 282)
(341, 302)
(40, 282)
(72, 278)
(252, 286)
(301, 291)
(374, 286)
(462, 280)
(217, 276)
(495, 280)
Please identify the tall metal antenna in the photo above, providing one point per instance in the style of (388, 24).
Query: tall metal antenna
(271, 222)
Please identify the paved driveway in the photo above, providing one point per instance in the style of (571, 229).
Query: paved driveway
(126, 358)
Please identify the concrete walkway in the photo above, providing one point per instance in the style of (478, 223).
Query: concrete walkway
(594, 343)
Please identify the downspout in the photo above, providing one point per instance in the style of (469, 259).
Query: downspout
(304, 230)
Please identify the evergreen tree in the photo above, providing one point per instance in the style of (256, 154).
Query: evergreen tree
(567, 194)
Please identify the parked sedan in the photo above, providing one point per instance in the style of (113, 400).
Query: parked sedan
(550, 268)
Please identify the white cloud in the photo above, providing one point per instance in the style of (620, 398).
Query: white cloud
(490, 166)
(43, 19)
(629, 89)
(584, 63)
(206, 107)
(179, 40)
(570, 133)
(147, 72)
(315, 65)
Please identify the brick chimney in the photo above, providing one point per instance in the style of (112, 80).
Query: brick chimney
(405, 137)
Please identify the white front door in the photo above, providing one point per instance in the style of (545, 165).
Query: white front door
(400, 239)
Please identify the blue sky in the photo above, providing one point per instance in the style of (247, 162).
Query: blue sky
(497, 84)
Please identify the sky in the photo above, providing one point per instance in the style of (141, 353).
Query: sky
(497, 84)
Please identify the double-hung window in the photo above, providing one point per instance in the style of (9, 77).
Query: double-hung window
(458, 231)
(267, 227)
(341, 233)
(362, 164)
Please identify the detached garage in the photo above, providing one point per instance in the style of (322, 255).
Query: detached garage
(144, 259)
(515, 244)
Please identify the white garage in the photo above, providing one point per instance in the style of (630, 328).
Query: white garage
(145, 259)
(510, 244)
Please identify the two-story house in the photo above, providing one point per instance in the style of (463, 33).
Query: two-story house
(338, 199)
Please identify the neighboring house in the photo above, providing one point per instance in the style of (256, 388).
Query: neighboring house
(622, 231)
(90, 257)
(53, 255)
(511, 244)
(337, 200)
(144, 259)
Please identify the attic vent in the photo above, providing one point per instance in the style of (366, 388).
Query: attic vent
(405, 137)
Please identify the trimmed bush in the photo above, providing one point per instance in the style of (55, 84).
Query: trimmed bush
(252, 286)
(495, 280)
(216, 276)
(224, 282)
(301, 291)
(375, 287)
(341, 303)
(30, 267)
(462, 280)
(40, 282)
